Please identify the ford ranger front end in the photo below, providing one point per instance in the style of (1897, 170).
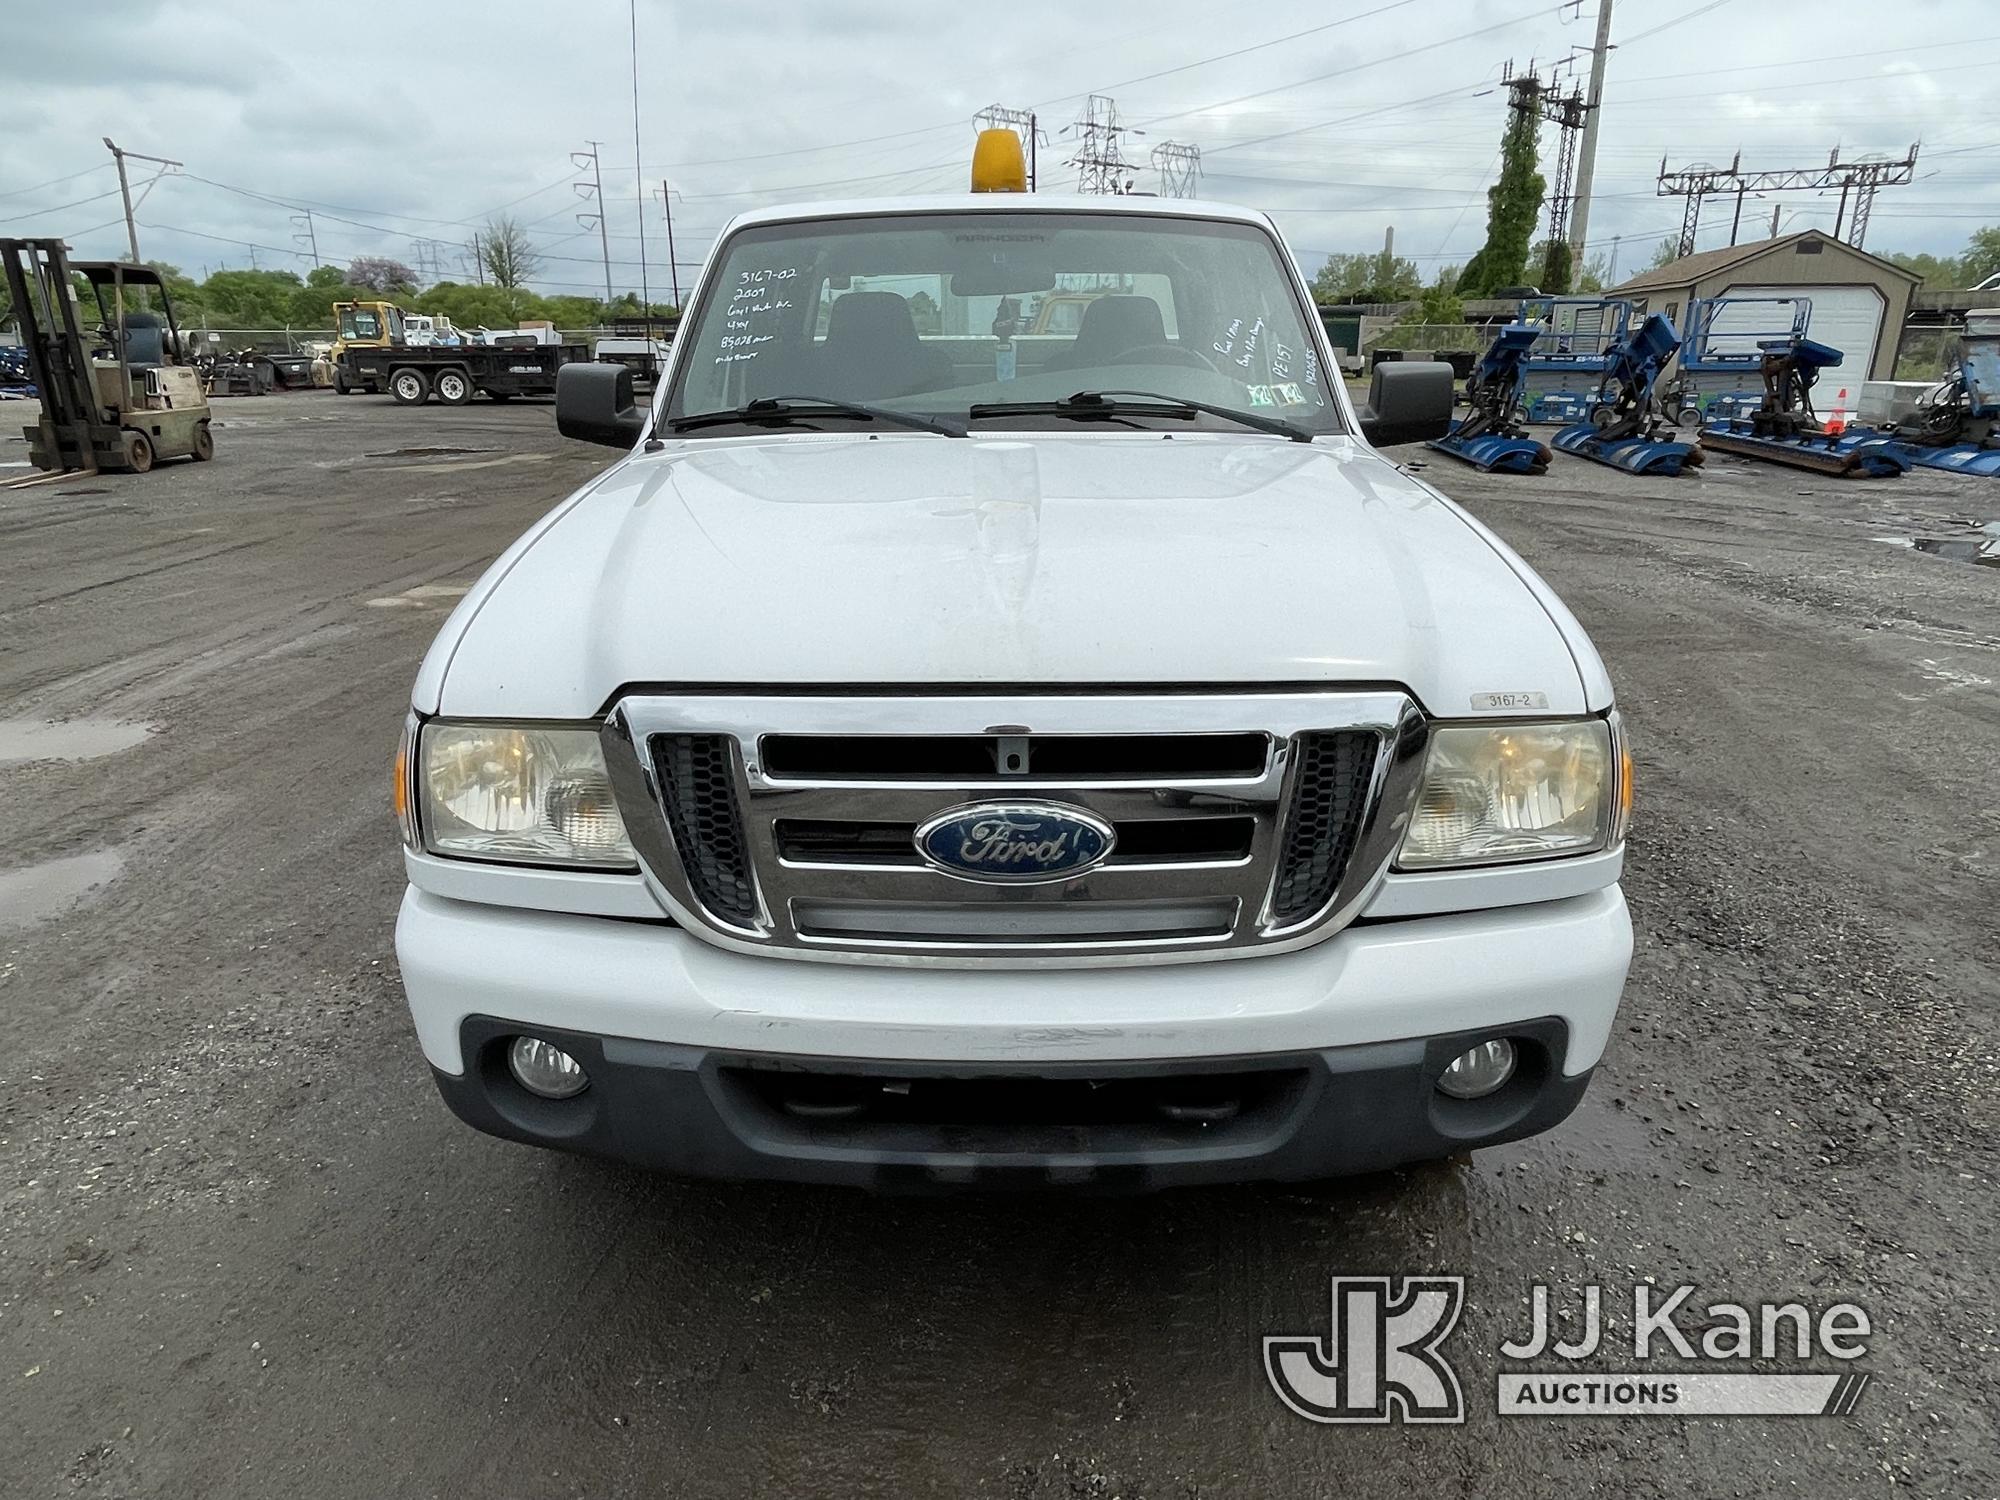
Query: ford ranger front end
(939, 754)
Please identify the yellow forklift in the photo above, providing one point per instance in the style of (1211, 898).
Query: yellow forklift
(114, 395)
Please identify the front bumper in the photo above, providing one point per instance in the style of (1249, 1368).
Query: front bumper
(1358, 1022)
(1111, 1127)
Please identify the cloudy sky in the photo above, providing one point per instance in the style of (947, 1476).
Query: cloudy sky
(409, 123)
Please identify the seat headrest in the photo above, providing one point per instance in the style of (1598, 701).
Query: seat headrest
(870, 314)
(1113, 325)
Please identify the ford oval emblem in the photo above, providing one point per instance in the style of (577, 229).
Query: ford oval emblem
(1015, 842)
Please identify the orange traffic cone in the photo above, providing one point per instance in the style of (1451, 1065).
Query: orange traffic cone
(1836, 420)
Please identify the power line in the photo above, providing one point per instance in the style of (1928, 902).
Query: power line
(53, 182)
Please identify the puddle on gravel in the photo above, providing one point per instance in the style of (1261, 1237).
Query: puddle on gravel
(425, 452)
(423, 595)
(45, 890)
(69, 739)
(1982, 551)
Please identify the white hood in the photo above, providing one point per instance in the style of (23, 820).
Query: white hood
(899, 559)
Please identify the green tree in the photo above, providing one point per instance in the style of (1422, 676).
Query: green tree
(1513, 205)
(250, 299)
(1982, 255)
(1939, 272)
(1380, 277)
(312, 306)
(1554, 264)
(1594, 276)
(1438, 303)
(1665, 253)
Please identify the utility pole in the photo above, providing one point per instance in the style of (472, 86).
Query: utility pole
(673, 266)
(594, 189)
(1586, 159)
(638, 167)
(125, 187)
(306, 235)
(1021, 122)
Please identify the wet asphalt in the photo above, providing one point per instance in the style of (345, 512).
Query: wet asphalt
(244, 1251)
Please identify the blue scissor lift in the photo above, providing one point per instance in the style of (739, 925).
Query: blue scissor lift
(1572, 353)
(1492, 436)
(1623, 429)
(1723, 341)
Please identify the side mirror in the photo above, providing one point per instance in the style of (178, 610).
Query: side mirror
(1409, 401)
(594, 405)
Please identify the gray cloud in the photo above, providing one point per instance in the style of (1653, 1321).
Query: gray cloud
(418, 120)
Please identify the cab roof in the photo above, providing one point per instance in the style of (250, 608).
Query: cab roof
(1001, 203)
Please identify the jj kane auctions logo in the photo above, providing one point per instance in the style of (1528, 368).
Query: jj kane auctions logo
(1383, 1360)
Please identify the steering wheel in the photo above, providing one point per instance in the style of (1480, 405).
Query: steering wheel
(1166, 354)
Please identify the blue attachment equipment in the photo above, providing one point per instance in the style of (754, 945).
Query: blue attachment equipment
(1623, 430)
(1571, 355)
(1723, 339)
(1491, 436)
(1957, 428)
(1783, 428)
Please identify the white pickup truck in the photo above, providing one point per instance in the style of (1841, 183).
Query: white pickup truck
(929, 759)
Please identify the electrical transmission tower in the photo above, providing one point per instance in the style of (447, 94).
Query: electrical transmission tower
(1021, 122)
(1179, 167)
(593, 190)
(1568, 112)
(304, 235)
(1859, 178)
(1100, 160)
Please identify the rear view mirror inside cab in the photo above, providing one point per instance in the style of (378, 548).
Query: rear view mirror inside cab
(1002, 275)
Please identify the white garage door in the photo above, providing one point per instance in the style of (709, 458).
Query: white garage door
(1847, 317)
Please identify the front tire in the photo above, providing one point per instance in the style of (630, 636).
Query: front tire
(409, 387)
(340, 385)
(453, 387)
(138, 452)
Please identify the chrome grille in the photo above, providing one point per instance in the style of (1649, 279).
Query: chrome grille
(1244, 822)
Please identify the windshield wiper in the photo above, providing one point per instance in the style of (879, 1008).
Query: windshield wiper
(785, 408)
(1091, 405)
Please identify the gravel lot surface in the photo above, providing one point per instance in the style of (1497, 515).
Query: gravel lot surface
(244, 1251)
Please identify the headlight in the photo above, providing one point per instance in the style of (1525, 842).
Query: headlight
(526, 793)
(1499, 792)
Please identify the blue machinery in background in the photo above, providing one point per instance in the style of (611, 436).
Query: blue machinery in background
(1723, 339)
(1957, 427)
(1625, 418)
(1784, 428)
(1572, 353)
(1492, 436)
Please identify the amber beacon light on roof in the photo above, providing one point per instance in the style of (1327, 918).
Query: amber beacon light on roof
(998, 165)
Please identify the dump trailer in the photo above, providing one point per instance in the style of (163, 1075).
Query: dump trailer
(1624, 427)
(1492, 436)
(1957, 426)
(113, 392)
(1784, 429)
(412, 375)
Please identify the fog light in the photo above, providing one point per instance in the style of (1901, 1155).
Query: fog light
(547, 1070)
(1476, 1073)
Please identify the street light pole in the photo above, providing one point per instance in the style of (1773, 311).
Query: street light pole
(125, 186)
(673, 266)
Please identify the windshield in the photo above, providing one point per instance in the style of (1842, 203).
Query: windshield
(359, 323)
(936, 314)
